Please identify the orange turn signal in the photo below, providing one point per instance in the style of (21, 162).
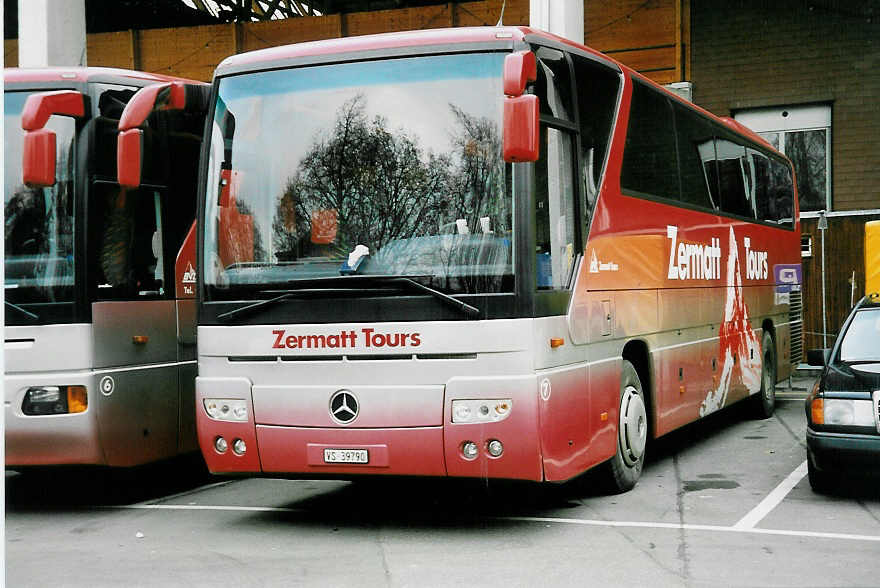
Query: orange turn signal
(77, 399)
(556, 342)
(817, 411)
(140, 339)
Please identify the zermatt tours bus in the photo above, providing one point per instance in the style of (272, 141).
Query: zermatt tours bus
(99, 343)
(480, 252)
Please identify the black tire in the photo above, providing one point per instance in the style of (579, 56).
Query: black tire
(819, 481)
(622, 471)
(764, 402)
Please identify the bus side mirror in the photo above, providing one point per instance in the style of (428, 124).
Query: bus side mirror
(164, 96)
(130, 158)
(519, 69)
(521, 124)
(38, 159)
(521, 112)
(39, 147)
(39, 107)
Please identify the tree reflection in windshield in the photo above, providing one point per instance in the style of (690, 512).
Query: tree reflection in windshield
(380, 167)
(371, 185)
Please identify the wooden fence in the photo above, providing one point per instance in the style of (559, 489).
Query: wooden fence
(651, 36)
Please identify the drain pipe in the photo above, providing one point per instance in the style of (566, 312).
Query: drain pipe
(823, 226)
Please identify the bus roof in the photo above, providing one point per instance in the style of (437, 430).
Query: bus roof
(487, 36)
(62, 75)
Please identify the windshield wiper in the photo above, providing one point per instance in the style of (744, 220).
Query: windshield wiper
(247, 308)
(407, 280)
(350, 283)
(26, 313)
(463, 307)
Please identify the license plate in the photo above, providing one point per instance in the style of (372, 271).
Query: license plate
(346, 456)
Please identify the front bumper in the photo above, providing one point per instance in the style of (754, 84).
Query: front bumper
(394, 449)
(64, 439)
(846, 453)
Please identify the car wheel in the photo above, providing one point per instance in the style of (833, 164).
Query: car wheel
(764, 401)
(624, 469)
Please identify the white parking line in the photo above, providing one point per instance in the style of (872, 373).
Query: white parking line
(773, 499)
(557, 520)
(181, 494)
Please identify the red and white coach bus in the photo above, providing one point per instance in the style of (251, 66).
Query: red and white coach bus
(478, 252)
(99, 343)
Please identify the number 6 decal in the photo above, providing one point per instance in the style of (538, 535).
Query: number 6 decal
(107, 384)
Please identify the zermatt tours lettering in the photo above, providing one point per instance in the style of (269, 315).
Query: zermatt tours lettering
(693, 261)
(367, 337)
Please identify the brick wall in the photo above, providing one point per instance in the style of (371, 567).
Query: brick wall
(753, 53)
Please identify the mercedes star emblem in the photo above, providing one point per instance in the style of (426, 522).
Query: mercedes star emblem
(343, 407)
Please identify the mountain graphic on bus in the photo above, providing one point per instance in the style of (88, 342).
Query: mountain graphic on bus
(738, 345)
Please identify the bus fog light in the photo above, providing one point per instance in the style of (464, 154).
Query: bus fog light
(220, 445)
(48, 400)
(239, 447)
(469, 450)
(481, 411)
(226, 409)
(495, 448)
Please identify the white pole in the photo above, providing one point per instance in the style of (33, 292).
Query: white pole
(823, 225)
(560, 17)
(51, 33)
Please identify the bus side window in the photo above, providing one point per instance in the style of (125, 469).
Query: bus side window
(781, 192)
(555, 235)
(699, 180)
(649, 163)
(554, 84)
(555, 211)
(732, 180)
(598, 88)
(765, 206)
(130, 259)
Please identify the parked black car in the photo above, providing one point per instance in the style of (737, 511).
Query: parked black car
(843, 410)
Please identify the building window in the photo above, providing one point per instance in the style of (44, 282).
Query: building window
(806, 246)
(803, 134)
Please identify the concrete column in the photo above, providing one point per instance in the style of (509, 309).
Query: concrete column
(560, 17)
(51, 33)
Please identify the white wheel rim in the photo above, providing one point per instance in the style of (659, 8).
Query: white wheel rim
(633, 425)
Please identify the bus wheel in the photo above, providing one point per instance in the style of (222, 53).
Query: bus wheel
(624, 469)
(765, 400)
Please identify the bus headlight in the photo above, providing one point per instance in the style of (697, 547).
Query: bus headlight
(481, 411)
(47, 400)
(226, 409)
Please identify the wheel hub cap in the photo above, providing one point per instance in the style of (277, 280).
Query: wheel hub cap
(633, 426)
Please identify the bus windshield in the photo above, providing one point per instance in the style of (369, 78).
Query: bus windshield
(39, 267)
(387, 167)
